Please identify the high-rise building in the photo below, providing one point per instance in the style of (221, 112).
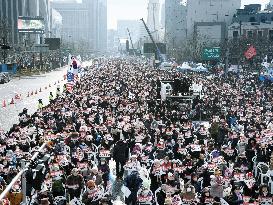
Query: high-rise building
(84, 23)
(113, 41)
(102, 25)
(10, 10)
(208, 17)
(162, 18)
(175, 23)
(153, 22)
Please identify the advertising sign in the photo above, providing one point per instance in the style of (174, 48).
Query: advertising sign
(53, 43)
(31, 24)
(150, 48)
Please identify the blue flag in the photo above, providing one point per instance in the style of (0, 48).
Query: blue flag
(70, 77)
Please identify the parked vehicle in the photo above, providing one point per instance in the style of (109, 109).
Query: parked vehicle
(5, 77)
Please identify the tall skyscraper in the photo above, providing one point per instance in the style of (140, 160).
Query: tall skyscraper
(175, 23)
(210, 11)
(153, 22)
(84, 22)
(10, 10)
(102, 25)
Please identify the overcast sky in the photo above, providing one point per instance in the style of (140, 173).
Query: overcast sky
(137, 9)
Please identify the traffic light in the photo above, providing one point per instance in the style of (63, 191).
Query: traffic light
(127, 45)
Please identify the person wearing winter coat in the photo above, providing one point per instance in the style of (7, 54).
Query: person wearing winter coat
(120, 155)
(236, 197)
(133, 182)
(217, 184)
(95, 176)
(116, 189)
(74, 184)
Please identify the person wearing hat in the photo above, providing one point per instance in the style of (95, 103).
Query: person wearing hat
(74, 184)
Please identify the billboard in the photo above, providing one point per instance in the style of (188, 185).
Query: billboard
(211, 53)
(150, 48)
(53, 43)
(31, 24)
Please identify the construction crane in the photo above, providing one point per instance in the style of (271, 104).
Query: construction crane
(158, 55)
(131, 41)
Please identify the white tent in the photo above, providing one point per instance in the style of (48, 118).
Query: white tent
(185, 66)
(200, 68)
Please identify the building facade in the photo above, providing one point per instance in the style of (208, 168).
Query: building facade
(175, 23)
(251, 22)
(153, 20)
(209, 11)
(84, 23)
(10, 10)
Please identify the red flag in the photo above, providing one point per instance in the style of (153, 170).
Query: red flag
(251, 52)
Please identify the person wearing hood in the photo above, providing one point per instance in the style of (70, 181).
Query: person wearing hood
(120, 156)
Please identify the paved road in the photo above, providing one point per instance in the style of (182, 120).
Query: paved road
(9, 114)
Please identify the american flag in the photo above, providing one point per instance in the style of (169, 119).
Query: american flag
(69, 86)
(70, 81)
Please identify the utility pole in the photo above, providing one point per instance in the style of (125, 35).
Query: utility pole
(41, 54)
(239, 45)
(226, 57)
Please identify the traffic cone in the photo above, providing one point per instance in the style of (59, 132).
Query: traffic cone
(40, 90)
(4, 104)
(12, 101)
(27, 94)
(36, 92)
(17, 97)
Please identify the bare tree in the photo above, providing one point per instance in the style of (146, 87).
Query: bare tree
(5, 34)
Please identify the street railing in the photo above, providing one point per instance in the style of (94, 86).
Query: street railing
(24, 168)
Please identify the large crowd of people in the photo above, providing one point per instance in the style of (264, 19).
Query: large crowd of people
(112, 141)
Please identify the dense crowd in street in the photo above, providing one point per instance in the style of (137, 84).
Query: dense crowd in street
(111, 141)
